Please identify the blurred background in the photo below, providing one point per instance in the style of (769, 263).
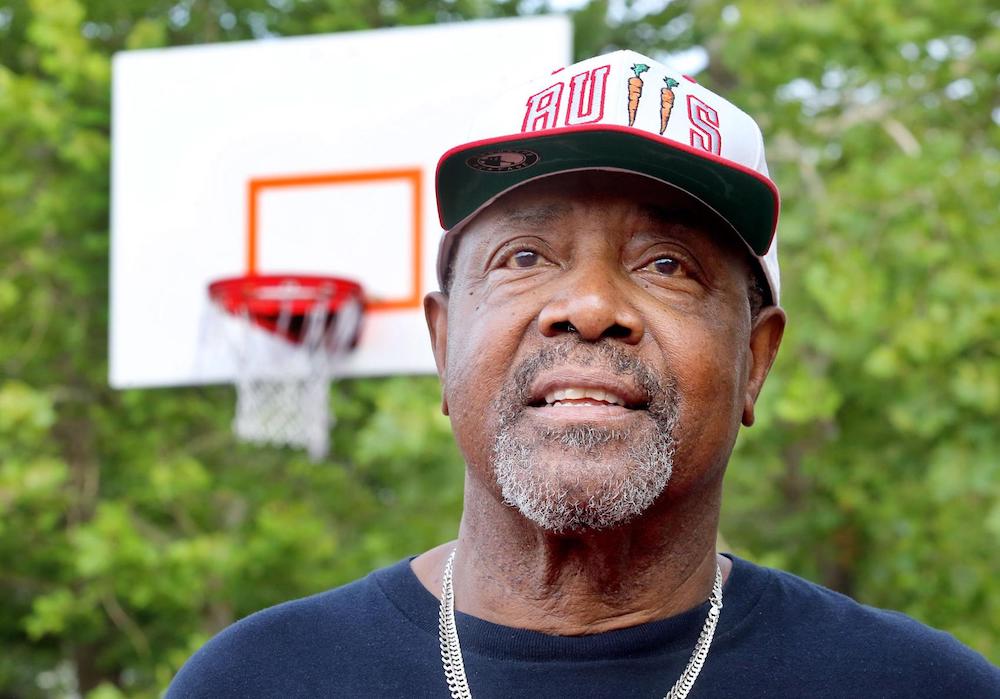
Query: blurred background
(133, 527)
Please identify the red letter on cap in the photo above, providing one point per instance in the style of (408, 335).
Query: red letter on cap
(704, 126)
(585, 91)
(543, 109)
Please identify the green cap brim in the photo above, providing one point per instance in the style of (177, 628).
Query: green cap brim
(471, 176)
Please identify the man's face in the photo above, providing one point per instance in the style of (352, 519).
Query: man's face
(597, 345)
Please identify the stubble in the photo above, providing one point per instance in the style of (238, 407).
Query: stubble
(584, 477)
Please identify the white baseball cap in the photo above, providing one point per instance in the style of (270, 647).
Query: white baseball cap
(620, 112)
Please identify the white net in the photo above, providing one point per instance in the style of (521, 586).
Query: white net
(282, 385)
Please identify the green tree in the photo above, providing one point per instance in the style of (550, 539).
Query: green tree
(132, 527)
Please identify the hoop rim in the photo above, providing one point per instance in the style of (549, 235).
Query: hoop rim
(271, 294)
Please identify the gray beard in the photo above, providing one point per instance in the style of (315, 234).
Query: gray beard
(577, 490)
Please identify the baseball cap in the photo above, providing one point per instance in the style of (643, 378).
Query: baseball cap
(622, 112)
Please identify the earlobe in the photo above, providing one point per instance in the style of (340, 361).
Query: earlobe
(765, 338)
(436, 314)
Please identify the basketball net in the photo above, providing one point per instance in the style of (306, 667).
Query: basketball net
(285, 360)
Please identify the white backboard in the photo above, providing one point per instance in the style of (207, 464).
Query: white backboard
(304, 155)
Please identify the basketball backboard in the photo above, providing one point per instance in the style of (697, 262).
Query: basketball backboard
(311, 155)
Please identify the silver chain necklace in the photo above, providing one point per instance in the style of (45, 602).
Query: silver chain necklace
(454, 666)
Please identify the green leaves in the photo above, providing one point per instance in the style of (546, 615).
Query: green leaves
(62, 50)
(24, 412)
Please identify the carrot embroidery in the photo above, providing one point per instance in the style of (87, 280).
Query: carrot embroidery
(666, 102)
(635, 90)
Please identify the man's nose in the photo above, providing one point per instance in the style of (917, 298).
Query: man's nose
(592, 303)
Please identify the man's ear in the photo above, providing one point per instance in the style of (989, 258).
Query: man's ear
(436, 313)
(765, 337)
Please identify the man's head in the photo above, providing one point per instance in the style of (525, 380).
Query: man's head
(600, 337)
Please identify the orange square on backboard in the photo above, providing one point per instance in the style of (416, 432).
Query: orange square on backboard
(412, 177)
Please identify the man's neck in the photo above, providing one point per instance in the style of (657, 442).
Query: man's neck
(510, 572)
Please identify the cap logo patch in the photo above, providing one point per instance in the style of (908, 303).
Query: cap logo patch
(503, 161)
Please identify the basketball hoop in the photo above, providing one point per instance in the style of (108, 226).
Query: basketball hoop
(286, 333)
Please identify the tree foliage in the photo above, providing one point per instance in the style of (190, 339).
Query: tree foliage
(133, 527)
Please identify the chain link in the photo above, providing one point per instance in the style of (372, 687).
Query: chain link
(451, 649)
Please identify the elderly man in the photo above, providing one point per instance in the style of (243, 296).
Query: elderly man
(607, 317)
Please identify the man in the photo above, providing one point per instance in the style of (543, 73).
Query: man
(607, 317)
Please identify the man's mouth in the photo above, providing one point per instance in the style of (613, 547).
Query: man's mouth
(582, 396)
(592, 394)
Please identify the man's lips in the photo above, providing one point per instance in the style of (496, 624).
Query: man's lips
(576, 389)
(581, 395)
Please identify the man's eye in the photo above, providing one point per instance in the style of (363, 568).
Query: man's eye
(525, 259)
(667, 266)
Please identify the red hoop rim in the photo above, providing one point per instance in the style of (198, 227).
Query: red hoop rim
(271, 294)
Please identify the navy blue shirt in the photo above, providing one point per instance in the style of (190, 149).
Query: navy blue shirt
(778, 636)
